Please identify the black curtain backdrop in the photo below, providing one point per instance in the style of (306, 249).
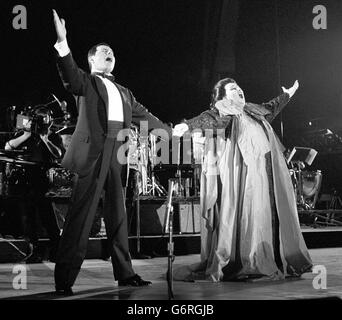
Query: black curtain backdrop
(267, 59)
(170, 54)
(158, 47)
(219, 41)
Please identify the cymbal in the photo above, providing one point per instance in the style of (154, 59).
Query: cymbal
(4, 151)
(11, 153)
(19, 161)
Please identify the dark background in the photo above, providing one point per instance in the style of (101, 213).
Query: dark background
(170, 53)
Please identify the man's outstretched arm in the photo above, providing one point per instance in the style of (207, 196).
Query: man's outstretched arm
(140, 113)
(74, 79)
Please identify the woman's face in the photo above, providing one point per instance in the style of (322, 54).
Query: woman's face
(234, 94)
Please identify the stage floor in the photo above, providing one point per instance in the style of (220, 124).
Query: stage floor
(95, 282)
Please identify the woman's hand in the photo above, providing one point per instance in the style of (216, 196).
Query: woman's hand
(291, 91)
(180, 129)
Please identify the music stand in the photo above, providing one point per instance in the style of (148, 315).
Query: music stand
(302, 154)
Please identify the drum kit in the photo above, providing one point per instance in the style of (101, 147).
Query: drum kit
(13, 173)
(15, 177)
(141, 160)
(144, 158)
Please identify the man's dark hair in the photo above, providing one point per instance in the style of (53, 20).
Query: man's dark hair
(93, 50)
(219, 91)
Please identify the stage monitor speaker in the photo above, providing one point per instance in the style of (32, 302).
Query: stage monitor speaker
(152, 217)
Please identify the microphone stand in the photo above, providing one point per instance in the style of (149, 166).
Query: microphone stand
(180, 188)
(169, 228)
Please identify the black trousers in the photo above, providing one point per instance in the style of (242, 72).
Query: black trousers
(106, 173)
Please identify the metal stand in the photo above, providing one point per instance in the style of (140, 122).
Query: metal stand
(156, 187)
(298, 178)
(335, 201)
(299, 182)
(180, 189)
(139, 255)
(169, 228)
(334, 204)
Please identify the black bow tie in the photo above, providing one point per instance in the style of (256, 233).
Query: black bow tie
(108, 76)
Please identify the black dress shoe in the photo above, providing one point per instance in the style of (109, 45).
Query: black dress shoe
(64, 291)
(134, 281)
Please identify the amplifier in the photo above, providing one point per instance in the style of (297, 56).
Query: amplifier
(186, 217)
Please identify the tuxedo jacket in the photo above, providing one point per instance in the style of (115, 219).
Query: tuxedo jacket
(92, 102)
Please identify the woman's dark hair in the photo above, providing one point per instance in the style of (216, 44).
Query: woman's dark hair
(219, 91)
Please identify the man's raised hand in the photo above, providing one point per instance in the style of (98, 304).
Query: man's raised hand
(59, 26)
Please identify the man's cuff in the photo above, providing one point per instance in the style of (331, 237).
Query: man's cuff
(62, 48)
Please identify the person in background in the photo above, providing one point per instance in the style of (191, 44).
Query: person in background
(41, 147)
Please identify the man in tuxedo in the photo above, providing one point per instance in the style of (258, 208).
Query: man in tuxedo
(104, 109)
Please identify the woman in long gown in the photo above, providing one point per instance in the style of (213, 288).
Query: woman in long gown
(249, 226)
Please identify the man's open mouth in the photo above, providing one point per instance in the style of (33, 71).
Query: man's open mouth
(109, 59)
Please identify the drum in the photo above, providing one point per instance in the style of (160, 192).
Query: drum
(311, 181)
(60, 182)
(307, 185)
(60, 177)
(14, 181)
